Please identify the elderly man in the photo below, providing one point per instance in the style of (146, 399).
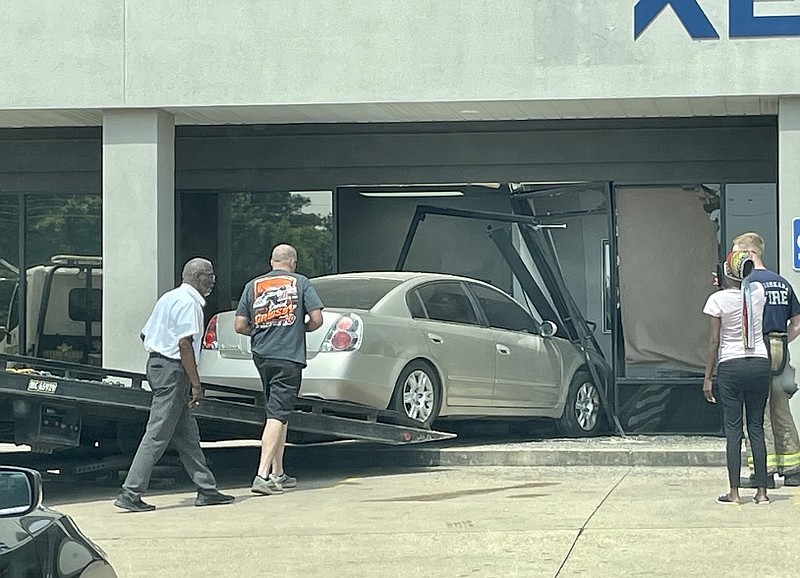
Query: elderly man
(272, 311)
(172, 337)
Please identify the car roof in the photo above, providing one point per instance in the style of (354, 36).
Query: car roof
(394, 275)
(406, 280)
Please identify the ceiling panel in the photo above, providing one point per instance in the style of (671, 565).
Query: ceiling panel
(422, 111)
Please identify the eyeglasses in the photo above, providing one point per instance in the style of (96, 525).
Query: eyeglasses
(207, 274)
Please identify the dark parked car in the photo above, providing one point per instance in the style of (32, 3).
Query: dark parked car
(39, 542)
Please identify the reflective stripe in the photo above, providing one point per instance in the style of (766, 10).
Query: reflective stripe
(789, 460)
(773, 461)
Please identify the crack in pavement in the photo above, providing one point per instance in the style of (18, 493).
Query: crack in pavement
(583, 527)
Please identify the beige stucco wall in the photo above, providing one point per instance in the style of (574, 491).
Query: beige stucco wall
(789, 203)
(144, 53)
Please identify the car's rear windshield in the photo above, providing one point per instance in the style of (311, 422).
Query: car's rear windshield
(353, 292)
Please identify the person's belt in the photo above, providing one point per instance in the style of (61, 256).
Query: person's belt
(156, 355)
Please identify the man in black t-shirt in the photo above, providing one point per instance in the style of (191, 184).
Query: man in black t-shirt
(272, 311)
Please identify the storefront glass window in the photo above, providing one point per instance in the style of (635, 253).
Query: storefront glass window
(9, 259)
(237, 231)
(62, 224)
(60, 248)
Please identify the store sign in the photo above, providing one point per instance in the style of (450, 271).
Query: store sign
(796, 243)
(742, 21)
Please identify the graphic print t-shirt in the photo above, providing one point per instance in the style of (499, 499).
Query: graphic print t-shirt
(276, 305)
(727, 305)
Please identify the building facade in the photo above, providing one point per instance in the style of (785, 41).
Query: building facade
(150, 133)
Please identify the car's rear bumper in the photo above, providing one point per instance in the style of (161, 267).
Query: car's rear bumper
(335, 376)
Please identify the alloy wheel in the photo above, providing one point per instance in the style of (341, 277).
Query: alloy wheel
(418, 395)
(587, 406)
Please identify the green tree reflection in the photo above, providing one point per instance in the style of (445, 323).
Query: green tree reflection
(259, 221)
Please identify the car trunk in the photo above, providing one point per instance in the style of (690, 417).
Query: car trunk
(236, 346)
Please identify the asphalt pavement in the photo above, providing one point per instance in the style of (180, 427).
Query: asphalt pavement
(368, 517)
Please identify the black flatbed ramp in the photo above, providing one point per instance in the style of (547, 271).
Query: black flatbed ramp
(91, 393)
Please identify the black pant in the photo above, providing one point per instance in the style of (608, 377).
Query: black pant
(281, 381)
(744, 381)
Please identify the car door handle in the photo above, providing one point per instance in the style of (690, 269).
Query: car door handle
(502, 349)
(435, 338)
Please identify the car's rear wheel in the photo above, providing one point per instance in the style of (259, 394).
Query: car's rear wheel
(418, 393)
(583, 410)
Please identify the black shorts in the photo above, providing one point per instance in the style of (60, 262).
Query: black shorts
(281, 382)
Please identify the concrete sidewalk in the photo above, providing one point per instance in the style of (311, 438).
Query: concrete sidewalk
(666, 451)
(456, 521)
(603, 451)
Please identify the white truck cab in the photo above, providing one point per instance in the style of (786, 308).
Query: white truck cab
(63, 304)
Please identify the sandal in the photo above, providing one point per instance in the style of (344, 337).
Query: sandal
(762, 502)
(726, 499)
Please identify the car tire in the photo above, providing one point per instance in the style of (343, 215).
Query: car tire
(418, 393)
(583, 411)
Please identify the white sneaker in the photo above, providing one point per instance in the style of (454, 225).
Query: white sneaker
(274, 484)
(284, 480)
(262, 486)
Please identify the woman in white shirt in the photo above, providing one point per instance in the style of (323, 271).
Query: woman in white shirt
(743, 373)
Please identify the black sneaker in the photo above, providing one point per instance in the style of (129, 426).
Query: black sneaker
(213, 499)
(791, 480)
(750, 482)
(136, 504)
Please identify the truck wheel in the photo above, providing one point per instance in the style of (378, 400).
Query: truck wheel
(418, 393)
(582, 415)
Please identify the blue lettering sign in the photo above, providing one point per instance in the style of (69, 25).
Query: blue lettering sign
(796, 243)
(690, 14)
(742, 21)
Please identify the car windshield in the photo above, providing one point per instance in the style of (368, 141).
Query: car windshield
(352, 292)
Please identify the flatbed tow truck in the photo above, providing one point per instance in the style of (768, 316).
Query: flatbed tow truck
(54, 406)
(97, 415)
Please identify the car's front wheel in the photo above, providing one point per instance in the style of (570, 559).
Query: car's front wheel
(583, 410)
(418, 393)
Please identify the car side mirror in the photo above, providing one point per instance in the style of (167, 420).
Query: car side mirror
(20, 491)
(548, 329)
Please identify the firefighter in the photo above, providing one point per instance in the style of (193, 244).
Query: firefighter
(781, 326)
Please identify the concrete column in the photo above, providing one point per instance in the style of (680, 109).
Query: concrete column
(138, 227)
(789, 207)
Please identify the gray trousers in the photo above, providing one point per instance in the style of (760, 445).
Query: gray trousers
(171, 421)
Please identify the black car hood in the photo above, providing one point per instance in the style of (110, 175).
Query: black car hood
(15, 532)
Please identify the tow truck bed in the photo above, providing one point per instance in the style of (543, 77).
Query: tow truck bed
(52, 404)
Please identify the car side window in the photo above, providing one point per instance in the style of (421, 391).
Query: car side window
(414, 302)
(448, 302)
(501, 311)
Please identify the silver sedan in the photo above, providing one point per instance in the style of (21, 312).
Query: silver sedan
(429, 346)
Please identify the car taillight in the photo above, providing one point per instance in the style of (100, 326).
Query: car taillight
(210, 337)
(345, 334)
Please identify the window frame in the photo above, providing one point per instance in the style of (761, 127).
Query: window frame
(479, 318)
(485, 317)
